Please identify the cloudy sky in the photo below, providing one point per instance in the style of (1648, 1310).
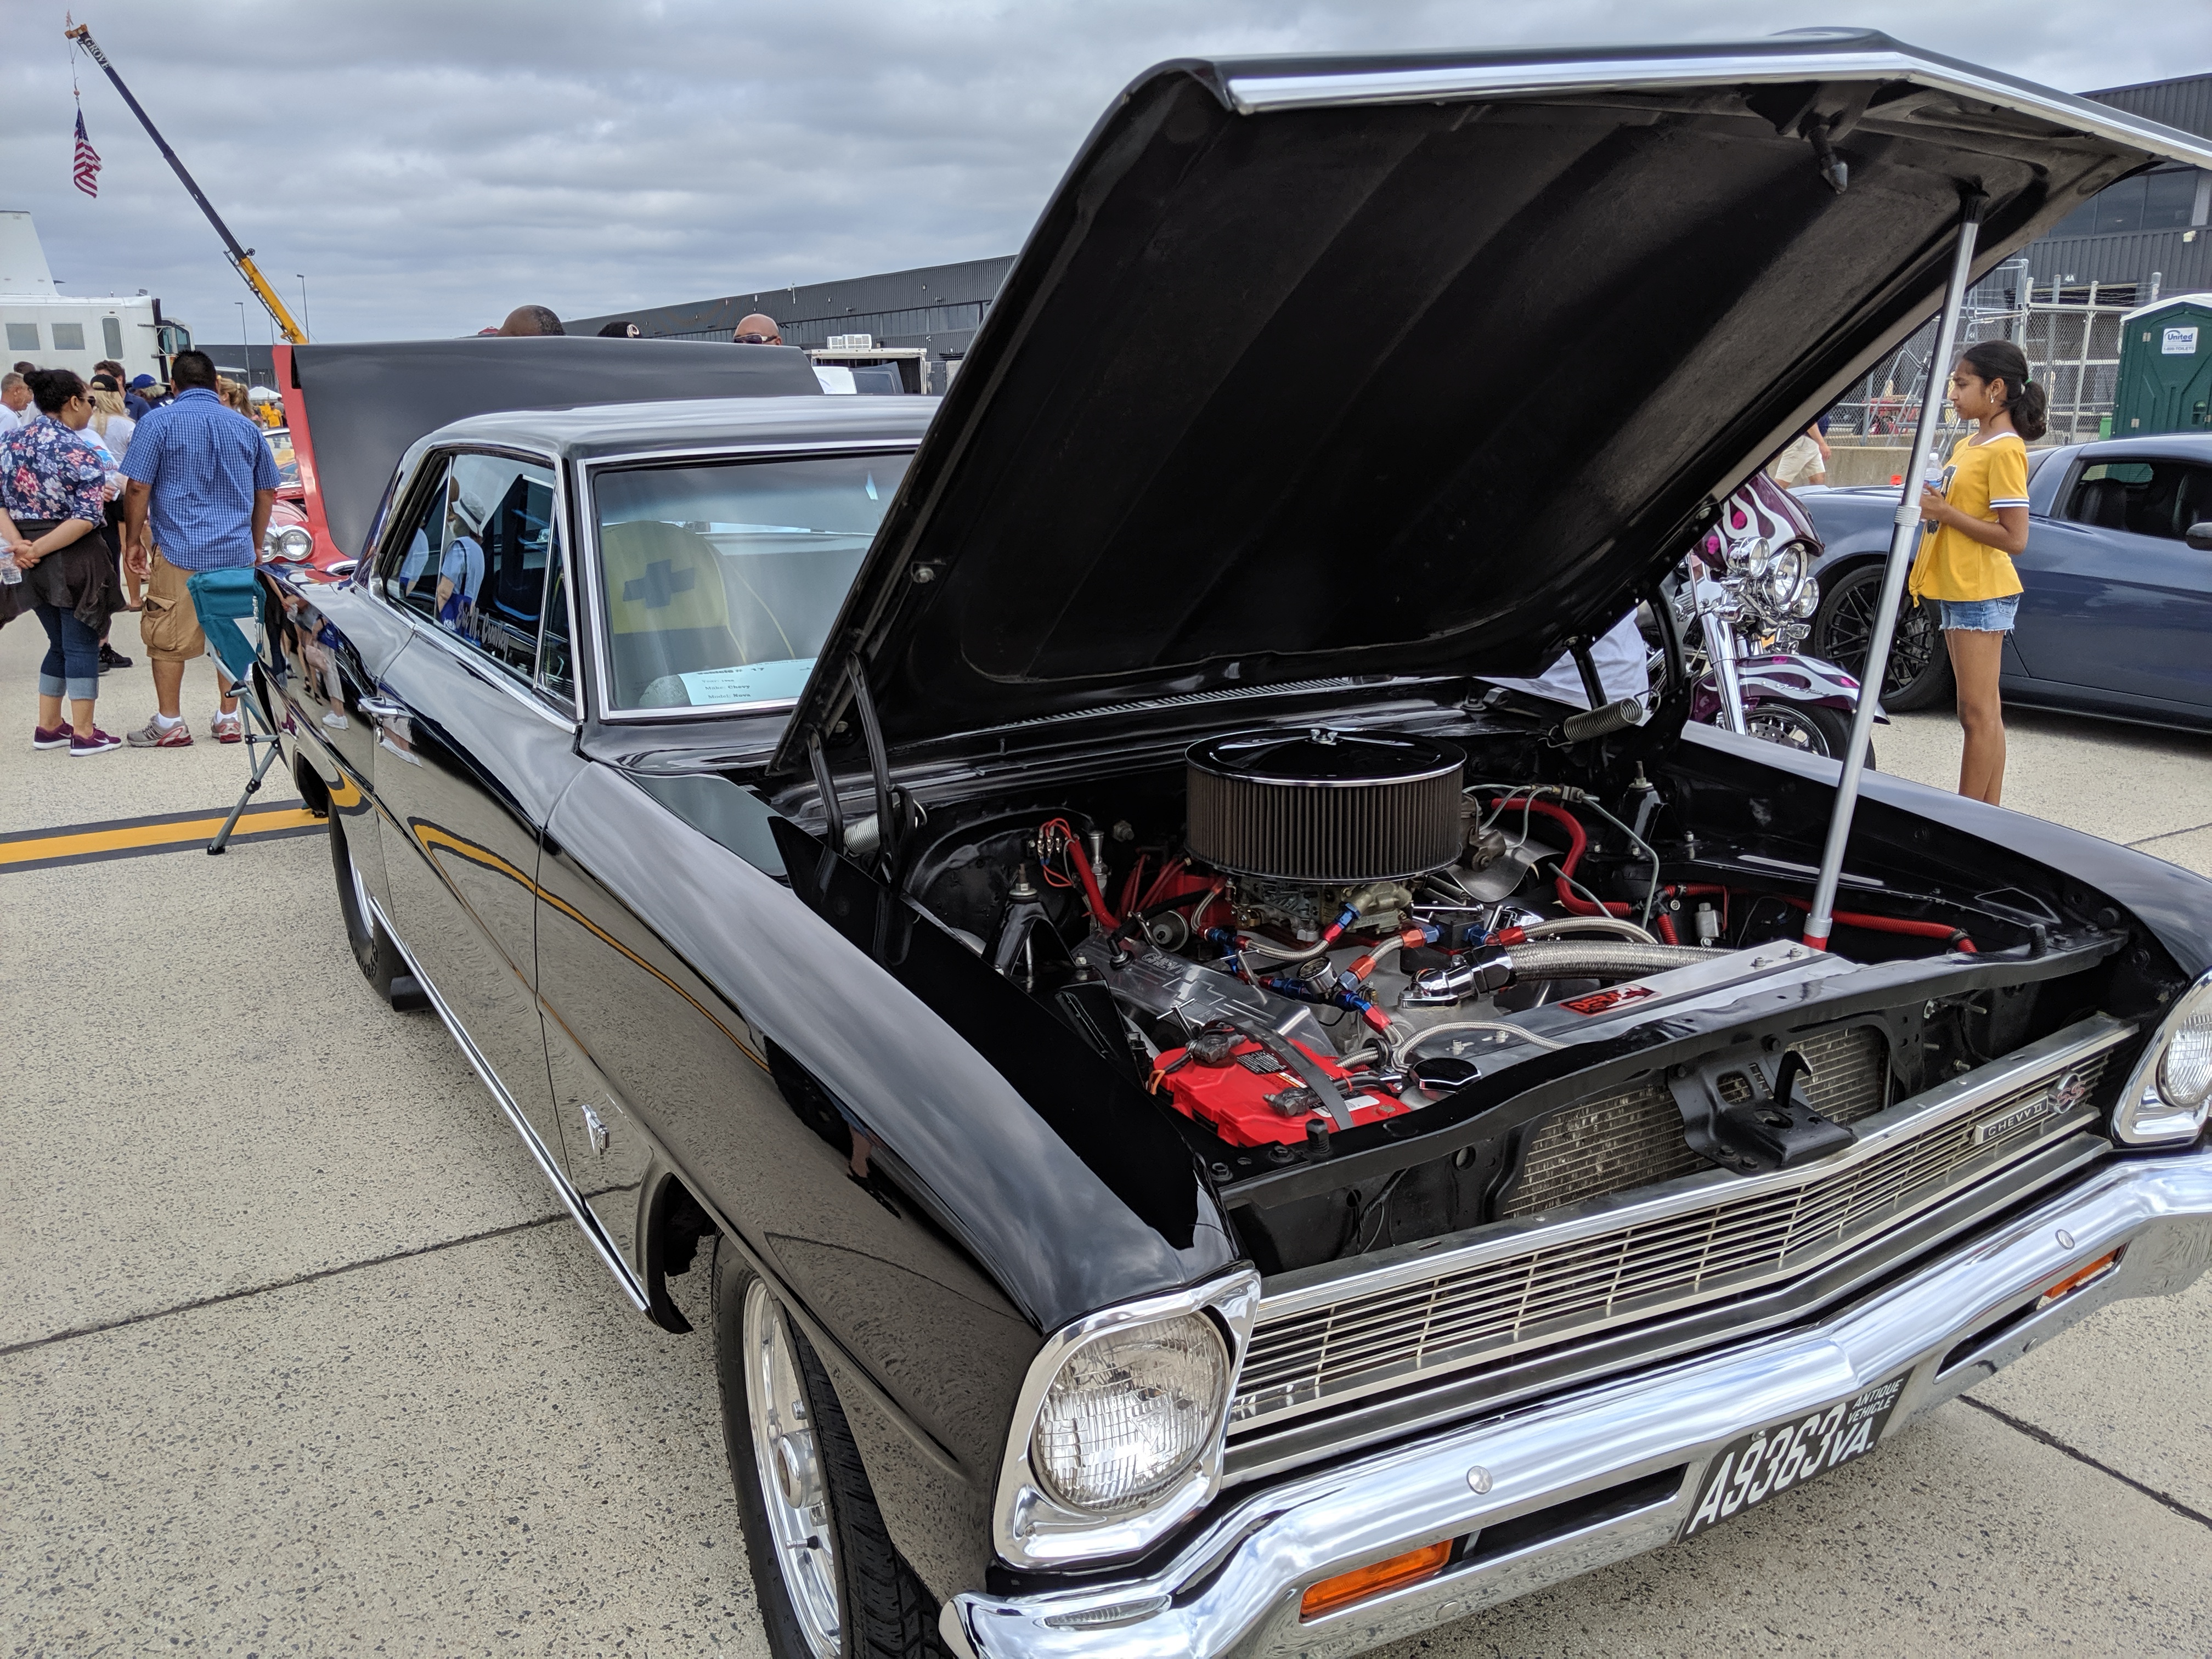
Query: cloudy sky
(430, 164)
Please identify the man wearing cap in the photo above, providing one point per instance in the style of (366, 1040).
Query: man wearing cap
(137, 398)
(202, 474)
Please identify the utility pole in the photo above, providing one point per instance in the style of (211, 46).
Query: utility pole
(241, 258)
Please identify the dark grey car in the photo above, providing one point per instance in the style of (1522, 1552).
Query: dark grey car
(2116, 611)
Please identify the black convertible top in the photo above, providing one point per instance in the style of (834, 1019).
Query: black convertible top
(364, 404)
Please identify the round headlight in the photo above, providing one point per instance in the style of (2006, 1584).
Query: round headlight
(1783, 577)
(1130, 1412)
(294, 543)
(1749, 554)
(2185, 1070)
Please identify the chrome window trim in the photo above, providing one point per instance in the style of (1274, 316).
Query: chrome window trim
(1313, 1289)
(563, 483)
(526, 689)
(1029, 1527)
(1848, 59)
(587, 521)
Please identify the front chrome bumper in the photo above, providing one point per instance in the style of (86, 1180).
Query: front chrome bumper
(1608, 1472)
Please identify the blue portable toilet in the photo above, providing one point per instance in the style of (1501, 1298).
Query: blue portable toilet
(2166, 367)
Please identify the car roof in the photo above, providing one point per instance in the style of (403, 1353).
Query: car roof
(2197, 445)
(599, 430)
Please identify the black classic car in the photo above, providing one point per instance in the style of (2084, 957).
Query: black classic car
(2116, 602)
(1211, 1126)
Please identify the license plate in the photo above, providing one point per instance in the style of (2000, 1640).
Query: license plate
(1753, 1467)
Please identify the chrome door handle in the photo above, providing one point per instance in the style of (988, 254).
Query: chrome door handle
(378, 709)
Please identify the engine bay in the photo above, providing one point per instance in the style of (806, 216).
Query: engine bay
(1315, 945)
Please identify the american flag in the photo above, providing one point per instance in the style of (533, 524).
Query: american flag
(88, 161)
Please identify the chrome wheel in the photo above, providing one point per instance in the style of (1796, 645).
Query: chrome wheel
(789, 1459)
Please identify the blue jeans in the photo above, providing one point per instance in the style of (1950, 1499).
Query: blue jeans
(71, 667)
(1979, 616)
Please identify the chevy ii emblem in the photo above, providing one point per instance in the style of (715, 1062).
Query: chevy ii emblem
(2069, 1091)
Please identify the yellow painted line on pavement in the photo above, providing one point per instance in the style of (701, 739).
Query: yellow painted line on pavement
(67, 844)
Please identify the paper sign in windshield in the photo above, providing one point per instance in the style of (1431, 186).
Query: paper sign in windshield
(752, 681)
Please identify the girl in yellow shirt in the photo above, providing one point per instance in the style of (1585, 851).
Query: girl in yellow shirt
(1976, 523)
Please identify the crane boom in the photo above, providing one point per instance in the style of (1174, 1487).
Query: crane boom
(242, 257)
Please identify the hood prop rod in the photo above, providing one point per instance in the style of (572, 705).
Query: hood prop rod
(889, 829)
(1903, 542)
(833, 812)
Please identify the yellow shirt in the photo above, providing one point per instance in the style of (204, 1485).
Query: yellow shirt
(1981, 478)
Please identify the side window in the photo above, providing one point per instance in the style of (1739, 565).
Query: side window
(556, 672)
(474, 563)
(2158, 498)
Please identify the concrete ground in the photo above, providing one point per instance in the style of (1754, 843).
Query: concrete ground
(297, 1358)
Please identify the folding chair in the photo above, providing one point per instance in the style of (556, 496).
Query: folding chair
(229, 604)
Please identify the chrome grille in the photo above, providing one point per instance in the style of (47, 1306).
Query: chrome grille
(1607, 1145)
(1632, 1138)
(1344, 1333)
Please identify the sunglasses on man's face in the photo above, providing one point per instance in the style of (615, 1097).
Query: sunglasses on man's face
(759, 339)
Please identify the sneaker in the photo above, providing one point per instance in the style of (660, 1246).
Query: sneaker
(58, 737)
(151, 736)
(98, 743)
(228, 728)
(111, 658)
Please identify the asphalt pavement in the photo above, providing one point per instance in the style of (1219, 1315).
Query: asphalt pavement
(297, 1356)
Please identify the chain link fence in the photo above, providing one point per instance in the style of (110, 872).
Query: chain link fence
(2070, 334)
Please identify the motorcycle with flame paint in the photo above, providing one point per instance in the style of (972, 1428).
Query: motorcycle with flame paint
(1744, 600)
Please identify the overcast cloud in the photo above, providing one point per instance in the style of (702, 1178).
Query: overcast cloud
(430, 164)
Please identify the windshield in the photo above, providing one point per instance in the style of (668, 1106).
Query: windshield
(719, 582)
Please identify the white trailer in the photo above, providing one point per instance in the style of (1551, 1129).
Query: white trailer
(39, 324)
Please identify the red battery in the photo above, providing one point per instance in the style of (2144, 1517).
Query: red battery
(1235, 1100)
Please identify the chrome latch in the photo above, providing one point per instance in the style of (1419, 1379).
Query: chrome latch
(595, 1131)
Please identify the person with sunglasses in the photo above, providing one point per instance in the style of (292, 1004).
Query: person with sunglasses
(757, 330)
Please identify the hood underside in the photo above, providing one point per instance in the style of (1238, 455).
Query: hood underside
(1322, 367)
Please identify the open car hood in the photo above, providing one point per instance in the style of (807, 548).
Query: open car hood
(1315, 366)
(355, 410)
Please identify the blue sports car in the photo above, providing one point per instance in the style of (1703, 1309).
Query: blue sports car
(2116, 617)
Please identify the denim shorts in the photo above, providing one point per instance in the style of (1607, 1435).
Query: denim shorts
(1979, 616)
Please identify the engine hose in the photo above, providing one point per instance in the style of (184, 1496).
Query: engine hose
(1577, 843)
(1401, 1047)
(1611, 927)
(1600, 959)
(1954, 937)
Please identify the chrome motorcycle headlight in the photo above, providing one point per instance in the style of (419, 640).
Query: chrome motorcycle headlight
(1117, 1437)
(1783, 579)
(2167, 1097)
(1749, 556)
(1129, 1411)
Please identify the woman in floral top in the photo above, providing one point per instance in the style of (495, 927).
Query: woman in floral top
(53, 501)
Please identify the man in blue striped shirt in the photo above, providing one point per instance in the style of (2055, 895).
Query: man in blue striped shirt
(204, 475)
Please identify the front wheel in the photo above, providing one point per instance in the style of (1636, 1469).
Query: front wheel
(1842, 630)
(831, 1585)
(1806, 727)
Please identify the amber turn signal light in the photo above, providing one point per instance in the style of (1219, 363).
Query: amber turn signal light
(2080, 1276)
(1357, 1585)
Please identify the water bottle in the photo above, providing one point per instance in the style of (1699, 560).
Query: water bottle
(11, 573)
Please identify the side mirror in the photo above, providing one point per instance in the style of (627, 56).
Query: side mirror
(2199, 536)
